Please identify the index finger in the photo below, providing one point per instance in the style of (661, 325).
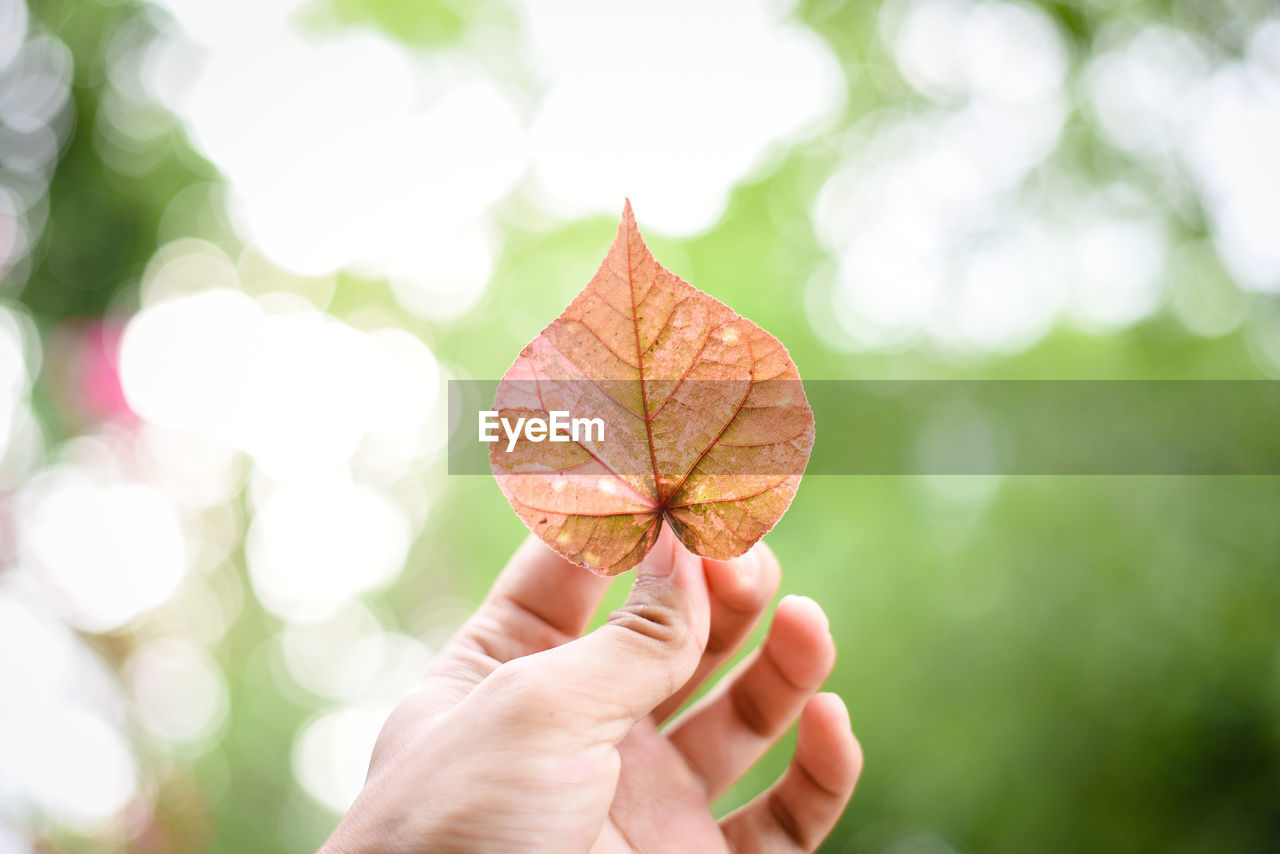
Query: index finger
(539, 601)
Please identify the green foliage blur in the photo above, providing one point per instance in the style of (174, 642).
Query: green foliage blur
(1047, 664)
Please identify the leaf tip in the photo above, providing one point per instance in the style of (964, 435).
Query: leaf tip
(627, 228)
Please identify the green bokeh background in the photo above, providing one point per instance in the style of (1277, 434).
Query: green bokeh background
(1032, 664)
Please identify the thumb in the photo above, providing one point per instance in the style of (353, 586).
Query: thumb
(649, 647)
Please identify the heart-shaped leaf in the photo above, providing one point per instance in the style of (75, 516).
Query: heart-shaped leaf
(702, 420)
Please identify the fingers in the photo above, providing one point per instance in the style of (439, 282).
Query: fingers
(540, 600)
(797, 812)
(650, 646)
(740, 589)
(732, 727)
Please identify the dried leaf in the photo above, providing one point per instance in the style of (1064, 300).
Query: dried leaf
(705, 421)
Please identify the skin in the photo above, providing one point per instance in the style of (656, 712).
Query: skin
(528, 736)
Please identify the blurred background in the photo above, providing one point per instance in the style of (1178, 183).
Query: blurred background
(244, 244)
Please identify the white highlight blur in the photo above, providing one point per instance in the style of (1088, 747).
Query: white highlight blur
(63, 755)
(312, 401)
(68, 763)
(312, 546)
(1119, 266)
(672, 103)
(38, 675)
(938, 235)
(106, 551)
(297, 390)
(1137, 91)
(17, 349)
(441, 274)
(12, 843)
(331, 753)
(347, 150)
(1156, 94)
(35, 119)
(335, 657)
(13, 28)
(1233, 155)
(192, 470)
(178, 690)
(991, 51)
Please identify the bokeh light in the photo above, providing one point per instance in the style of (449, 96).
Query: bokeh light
(63, 755)
(35, 85)
(15, 379)
(190, 716)
(313, 545)
(331, 752)
(669, 103)
(127, 554)
(331, 755)
(71, 765)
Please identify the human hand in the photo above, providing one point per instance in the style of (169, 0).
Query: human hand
(525, 736)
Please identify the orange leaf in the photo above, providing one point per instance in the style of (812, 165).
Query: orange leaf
(705, 422)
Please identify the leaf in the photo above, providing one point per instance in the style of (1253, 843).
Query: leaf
(705, 421)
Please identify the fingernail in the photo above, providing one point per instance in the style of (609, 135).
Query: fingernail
(749, 563)
(661, 560)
